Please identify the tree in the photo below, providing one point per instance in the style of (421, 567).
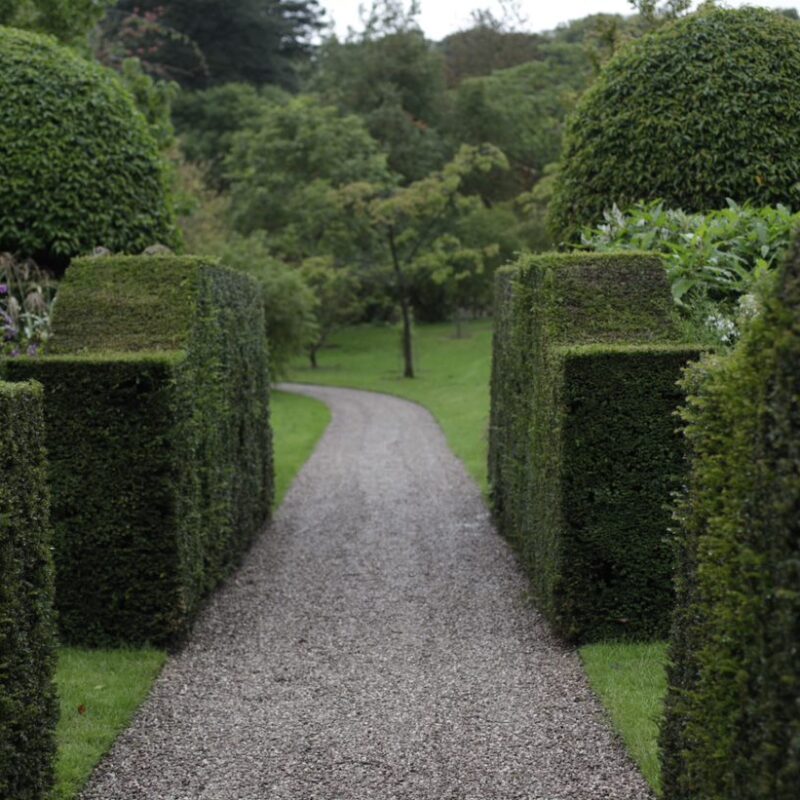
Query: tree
(338, 300)
(490, 44)
(390, 76)
(285, 173)
(417, 225)
(522, 111)
(210, 42)
(208, 121)
(67, 20)
(703, 109)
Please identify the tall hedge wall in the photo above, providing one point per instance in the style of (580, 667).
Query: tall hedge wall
(28, 708)
(160, 446)
(583, 451)
(732, 725)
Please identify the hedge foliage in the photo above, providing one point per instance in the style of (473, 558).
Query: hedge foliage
(79, 166)
(732, 726)
(583, 450)
(28, 709)
(699, 111)
(159, 440)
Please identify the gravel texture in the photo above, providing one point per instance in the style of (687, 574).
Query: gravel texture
(376, 643)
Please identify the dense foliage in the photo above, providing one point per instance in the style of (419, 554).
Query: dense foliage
(28, 707)
(583, 450)
(159, 440)
(716, 262)
(701, 110)
(733, 721)
(79, 166)
(285, 173)
(210, 42)
(68, 20)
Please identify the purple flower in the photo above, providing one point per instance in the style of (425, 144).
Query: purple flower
(33, 349)
(3, 289)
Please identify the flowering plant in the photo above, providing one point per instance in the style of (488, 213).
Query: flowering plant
(26, 300)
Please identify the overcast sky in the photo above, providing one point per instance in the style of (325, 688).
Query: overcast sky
(440, 17)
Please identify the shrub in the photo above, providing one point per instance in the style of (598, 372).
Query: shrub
(28, 707)
(733, 720)
(159, 440)
(699, 111)
(583, 450)
(26, 302)
(717, 254)
(79, 166)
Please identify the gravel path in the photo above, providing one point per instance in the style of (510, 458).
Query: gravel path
(375, 644)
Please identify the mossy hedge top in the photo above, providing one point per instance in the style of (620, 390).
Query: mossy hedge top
(78, 168)
(702, 110)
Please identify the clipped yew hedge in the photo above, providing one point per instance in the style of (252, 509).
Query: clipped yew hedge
(703, 109)
(583, 448)
(28, 708)
(158, 432)
(732, 725)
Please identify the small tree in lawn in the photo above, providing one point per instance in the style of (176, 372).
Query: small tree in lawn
(417, 225)
(338, 301)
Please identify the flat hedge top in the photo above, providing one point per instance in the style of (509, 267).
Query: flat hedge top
(127, 303)
(602, 297)
(14, 390)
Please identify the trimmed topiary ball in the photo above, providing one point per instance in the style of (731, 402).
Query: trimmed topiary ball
(704, 109)
(78, 167)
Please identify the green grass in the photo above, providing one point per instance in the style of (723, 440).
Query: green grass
(99, 690)
(298, 423)
(452, 377)
(631, 681)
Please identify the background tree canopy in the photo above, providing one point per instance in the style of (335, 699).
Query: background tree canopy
(210, 42)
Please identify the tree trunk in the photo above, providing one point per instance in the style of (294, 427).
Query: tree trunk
(312, 357)
(405, 306)
(408, 352)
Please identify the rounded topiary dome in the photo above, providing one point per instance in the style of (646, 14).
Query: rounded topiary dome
(78, 167)
(704, 109)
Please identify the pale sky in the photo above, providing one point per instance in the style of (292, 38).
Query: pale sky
(440, 17)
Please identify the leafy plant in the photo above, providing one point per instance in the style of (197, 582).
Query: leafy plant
(26, 300)
(717, 262)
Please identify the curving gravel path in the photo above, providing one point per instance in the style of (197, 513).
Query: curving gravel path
(376, 644)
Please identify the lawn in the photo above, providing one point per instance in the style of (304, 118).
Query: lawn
(452, 377)
(631, 681)
(100, 690)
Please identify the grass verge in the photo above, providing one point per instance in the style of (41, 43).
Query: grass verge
(631, 681)
(100, 690)
(298, 423)
(452, 377)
